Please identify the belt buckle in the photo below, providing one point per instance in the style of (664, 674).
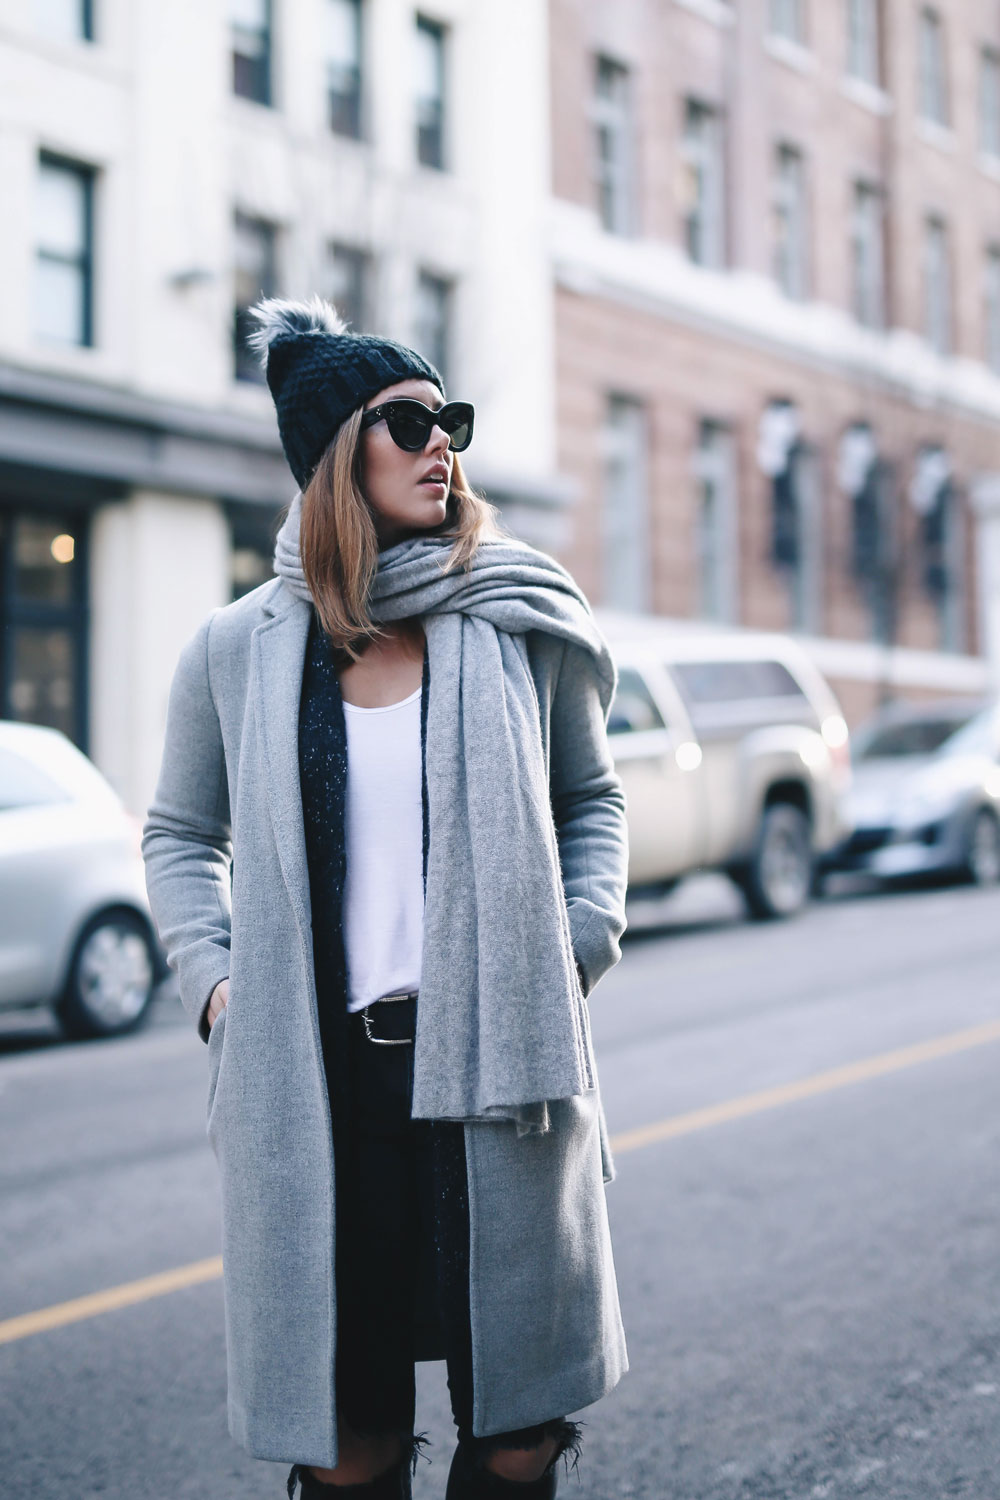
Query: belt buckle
(387, 1041)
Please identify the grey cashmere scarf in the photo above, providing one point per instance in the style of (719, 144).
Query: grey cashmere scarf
(501, 1021)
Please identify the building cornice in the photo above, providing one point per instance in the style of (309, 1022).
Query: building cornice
(744, 306)
(105, 433)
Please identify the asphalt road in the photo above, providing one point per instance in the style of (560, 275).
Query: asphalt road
(810, 1272)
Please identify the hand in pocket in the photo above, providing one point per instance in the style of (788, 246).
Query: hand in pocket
(219, 1000)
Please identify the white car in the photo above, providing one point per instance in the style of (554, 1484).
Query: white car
(75, 928)
(733, 753)
(926, 793)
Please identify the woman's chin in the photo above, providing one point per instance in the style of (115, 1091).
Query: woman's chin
(430, 512)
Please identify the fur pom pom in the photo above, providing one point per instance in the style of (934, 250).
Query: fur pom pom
(279, 318)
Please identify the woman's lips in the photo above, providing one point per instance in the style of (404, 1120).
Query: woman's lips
(434, 484)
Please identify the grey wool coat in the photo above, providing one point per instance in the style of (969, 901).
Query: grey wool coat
(228, 884)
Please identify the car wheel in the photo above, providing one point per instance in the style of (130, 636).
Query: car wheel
(983, 855)
(778, 880)
(111, 980)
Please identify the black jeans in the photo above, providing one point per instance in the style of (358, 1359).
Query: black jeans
(402, 1249)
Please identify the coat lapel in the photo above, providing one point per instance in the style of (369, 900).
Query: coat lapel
(277, 658)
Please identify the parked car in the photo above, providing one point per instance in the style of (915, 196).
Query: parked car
(76, 933)
(733, 753)
(926, 792)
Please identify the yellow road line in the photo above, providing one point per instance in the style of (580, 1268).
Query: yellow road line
(115, 1297)
(805, 1088)
(630, 1140)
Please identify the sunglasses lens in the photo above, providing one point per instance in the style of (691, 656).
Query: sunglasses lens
(458, 425)
(407, 428)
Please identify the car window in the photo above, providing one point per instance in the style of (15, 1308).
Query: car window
(734, 681)
(633, 709)
(980, 736)
(914, 737)
(23, 784)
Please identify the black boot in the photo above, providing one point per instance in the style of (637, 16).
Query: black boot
(393, 1484)
(470, 1479)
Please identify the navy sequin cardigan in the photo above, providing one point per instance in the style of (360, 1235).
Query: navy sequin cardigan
(323, 779)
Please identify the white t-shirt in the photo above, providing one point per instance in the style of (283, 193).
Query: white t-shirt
(384, 889)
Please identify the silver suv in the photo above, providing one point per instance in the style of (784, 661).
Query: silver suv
(734, 756)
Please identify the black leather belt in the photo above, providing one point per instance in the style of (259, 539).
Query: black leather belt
(390, 1021)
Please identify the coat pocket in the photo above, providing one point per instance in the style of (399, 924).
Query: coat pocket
(216, 1041)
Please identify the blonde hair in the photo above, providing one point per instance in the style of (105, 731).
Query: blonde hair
(338, 543)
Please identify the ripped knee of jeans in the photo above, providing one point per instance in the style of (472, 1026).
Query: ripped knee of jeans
(568, 1436)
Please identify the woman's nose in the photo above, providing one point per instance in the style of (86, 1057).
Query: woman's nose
(439, 441)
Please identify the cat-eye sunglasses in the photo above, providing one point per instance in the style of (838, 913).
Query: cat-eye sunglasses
(410, 422)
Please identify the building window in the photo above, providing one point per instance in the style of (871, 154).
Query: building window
(65, 20)
(866, 480)
(433, 321)
(704, 189)
(625, 517)
(992, 290)
(430, 73)
(255, 268)
(343, 66)
(791, 239)
(933, 72)
(937, 285)
(43, 620)
(868, 255)
(64, 252)
(250, 26)
(935, 498)
(989, 102)
(792, 466)
(350, 276)
(611, 112)
(787, 18)
(715, 522)
(864, 42)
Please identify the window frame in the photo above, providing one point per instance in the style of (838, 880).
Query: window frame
(867, 233)
(363, 266)
(933, 91)
(265, 98)
(613, 120)
(939, 311)
(864, 42)
(788, 20)
(627, 582)
(84, 262)
(84, 25)
(714, 466)
(704, 155)
(791, 200)
(438, 161)
(991, 298)
(444, 290)
(357, 131)
(246, 365)
(989, 102)
(71, 617)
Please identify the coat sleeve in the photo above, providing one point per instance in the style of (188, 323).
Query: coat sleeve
(588, 805)
(187, 838)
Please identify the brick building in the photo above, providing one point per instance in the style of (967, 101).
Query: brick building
(776, 244)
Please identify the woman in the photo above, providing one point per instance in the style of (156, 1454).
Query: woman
(387, 859)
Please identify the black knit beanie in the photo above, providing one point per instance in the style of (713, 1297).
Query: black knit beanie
(319, 373)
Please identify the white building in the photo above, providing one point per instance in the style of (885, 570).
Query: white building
(162, 165)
